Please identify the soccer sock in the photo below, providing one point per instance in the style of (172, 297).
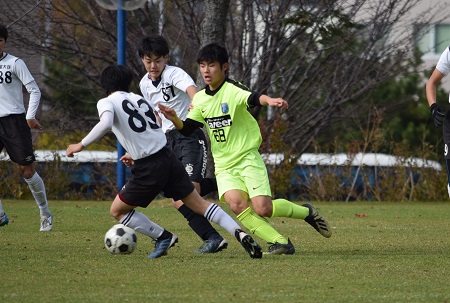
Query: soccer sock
(199, 224)
(37, 187)
(207, 186)
(285, 208)
(216, 214)
(1, 208)
(260, 227)
(140, 223)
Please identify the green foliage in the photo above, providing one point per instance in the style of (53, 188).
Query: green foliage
(379, 252)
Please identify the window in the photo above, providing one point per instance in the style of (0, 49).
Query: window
(433, 39)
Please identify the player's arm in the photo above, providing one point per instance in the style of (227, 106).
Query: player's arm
(186, 127)
(436, 111)
(432, 83)
(33, 104)
(98, 131)
(191, 91)
(256, 99)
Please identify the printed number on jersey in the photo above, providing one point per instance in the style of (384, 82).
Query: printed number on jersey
(137, 122)
(5, 77)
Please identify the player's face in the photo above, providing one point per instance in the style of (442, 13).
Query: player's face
(154, 65)
(213, 74)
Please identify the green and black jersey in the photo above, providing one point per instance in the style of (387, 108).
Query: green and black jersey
(231, 128)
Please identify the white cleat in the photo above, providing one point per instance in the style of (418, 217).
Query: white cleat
(46, 223)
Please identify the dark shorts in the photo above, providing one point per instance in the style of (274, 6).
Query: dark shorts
(160, 172)
(15, 136)
(192, 151)
(446, 134)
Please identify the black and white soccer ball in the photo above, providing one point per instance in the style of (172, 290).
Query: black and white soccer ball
(120, 239)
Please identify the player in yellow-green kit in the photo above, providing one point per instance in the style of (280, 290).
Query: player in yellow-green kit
(222, 106)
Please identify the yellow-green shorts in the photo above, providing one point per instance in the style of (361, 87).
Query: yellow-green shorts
(249, 175)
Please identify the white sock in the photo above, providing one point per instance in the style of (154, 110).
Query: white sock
(216, 214)
(1, 209)
(37, 187)
(140, 223)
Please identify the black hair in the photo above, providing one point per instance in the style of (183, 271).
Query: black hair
(213, 52)
(156, 45)
(116, 78)
(3, 32)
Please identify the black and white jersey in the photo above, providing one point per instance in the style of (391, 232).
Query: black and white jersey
(135, 124)
(13, 75)
(170, 91)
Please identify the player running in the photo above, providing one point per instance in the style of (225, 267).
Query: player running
(222, 106)
(16, 125)
(156, 168)
(173, 87)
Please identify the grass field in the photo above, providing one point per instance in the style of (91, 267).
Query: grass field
(379, 252)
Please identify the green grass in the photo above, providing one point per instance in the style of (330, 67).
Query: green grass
(399, 252)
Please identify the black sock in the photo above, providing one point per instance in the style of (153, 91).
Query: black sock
(207, 186)
(165, 235)
(199, 224)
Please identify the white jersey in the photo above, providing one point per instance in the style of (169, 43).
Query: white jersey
(13, 75)
(135, 124)
(170, 91)
(443, 64)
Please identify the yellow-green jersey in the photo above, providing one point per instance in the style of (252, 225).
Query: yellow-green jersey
(231, 128)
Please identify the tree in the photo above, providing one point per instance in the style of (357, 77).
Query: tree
(324, 57)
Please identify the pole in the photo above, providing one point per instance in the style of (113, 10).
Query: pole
(121, 60)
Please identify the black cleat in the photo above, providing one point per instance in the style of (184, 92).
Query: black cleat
(250, 246)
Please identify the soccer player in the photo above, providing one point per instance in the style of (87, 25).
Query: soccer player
(16, 125)
(440, 116)
(222, 106)
(173, 87)
(155, 167)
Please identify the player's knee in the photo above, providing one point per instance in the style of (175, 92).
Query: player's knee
(264, 210)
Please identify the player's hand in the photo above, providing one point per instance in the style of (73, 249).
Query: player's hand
(33, 123)
(437, 113)
(278, 102)
(127, 160)
(74, 148)
(167, 111)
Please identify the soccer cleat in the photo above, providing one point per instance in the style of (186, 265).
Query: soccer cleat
(46, 223)
(212, 245)
(4, 219)
(317, 221)
(162, 246)
(279, 249)
(250, 246)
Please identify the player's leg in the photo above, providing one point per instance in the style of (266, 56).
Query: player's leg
(216, 214)
(128, 216)
(20, 149)
(148, 178)
(446, 135)
(257, 180)
(192, 152)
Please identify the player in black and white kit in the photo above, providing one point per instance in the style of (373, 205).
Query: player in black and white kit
(173, 87)
(16, 124)
(439, 115)
(155, 168)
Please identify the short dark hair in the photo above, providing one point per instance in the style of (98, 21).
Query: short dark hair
(156, 45)
(3, 32)
(116, 78)
(213, 52)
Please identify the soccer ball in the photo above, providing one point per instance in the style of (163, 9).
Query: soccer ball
(120, 239)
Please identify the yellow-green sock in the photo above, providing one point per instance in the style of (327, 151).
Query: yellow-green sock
(260, 227)
(287, 209)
